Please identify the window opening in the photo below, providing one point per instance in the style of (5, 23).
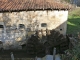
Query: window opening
(43, 25)
(21, 26)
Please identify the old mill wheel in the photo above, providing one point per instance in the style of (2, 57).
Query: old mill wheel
(34, 47)
(41, 44)
(55, 39)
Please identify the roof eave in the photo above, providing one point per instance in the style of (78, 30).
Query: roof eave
(48, 9)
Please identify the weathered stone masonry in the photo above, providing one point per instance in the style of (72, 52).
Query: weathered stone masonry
(33, 19)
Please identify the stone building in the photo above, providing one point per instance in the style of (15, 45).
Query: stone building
(34, 15)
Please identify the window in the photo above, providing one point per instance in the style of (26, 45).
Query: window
(21, 26)
(43, 25)
(60, 29)
(1, 26)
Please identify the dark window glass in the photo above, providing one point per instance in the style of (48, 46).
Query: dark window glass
(1, 26)
(43, 25)
(60, 29)
(21, 26)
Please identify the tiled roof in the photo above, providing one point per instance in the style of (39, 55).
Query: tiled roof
(17, 5)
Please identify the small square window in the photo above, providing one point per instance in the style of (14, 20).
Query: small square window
(43, 25)
(21, 26)
(1, 26)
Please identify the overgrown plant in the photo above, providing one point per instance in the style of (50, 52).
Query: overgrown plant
(76, 52)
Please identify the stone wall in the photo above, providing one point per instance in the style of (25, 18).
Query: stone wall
(34, 19)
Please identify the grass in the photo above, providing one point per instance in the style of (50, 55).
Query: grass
(73, 27)
(73, 22)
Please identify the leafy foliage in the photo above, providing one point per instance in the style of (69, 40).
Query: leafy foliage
(74, 21)
(73, 28)
(75, 52)
(66, 0)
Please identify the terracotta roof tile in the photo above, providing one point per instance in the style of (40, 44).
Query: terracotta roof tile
(16, 5)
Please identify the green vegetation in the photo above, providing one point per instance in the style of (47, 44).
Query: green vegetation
(66, 0)
(76, 52)
(74, 21)
(74, 28)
